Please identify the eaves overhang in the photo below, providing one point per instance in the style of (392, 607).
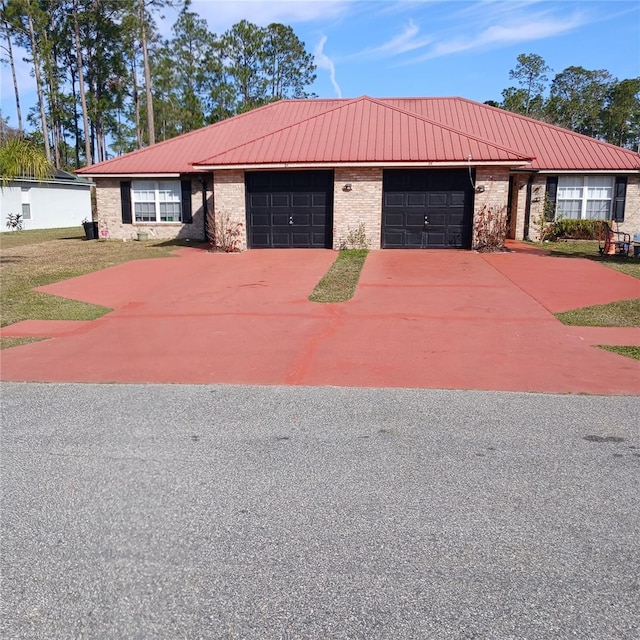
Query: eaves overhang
(616, 172)
(132, 175)
(385, 165)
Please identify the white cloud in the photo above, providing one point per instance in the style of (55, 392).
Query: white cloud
(223, 14)
(496, 35)
(324, 62)
(405, 42)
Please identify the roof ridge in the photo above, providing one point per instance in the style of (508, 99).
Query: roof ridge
(182, 136)
(347, 101)
(453, 129)
(548, 125)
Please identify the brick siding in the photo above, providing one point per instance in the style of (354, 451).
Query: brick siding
(494, 198)
(631, 224)
(109, 207)
(361, 205)
(230, 201)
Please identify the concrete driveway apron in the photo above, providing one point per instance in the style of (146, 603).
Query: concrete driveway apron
(431, 319)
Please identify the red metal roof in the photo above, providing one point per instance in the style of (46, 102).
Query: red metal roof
(364, 130)
(381, 131)
(552, 147)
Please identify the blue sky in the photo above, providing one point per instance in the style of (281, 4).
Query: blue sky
(388, 48)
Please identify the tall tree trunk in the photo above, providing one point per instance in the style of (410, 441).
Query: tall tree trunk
(54, 112)
(136, 100)
(147, 73)
(13, 74)
(36, 68)
(83, 97)
(76, 126)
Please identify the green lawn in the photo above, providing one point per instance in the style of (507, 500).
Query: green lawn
(35, 258)
(589, 249)
(7, 343)
(339, 283)
(630, 352)
(624, 313)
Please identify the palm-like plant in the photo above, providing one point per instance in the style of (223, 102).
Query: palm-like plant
(20, 158)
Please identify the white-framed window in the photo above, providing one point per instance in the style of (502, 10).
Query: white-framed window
(156, 201)
(25, 194)
(584, 197)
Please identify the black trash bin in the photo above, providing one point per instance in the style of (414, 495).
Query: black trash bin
(90, 230)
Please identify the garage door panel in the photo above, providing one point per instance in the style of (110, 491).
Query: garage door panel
(260, 219)
(318, 239)
(280, 219)
(438, 218)
(454, 239)
(259, 200)
(414, 219)
(457, 199)
(437, 199)
(394, 199)
(416, 199)
(394, 219)
(414, 238)
(443, 197)
(280, 239)
(394, 238)
(301, 219)
(318, 219)
(437, 238)
(261, 238)
(301, 200)
(280, 200)
(289, 208)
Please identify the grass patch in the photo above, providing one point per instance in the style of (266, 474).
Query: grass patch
(339, 283)
(630, 352)
(624, 313)
(7, 343)
(36, 258)
(12, 239)
(589, 249)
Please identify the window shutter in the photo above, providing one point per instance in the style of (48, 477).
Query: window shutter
(619, 195)
(125, 201)
(551, 193)
(186, 202)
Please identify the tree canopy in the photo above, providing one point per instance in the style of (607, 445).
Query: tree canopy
(591, 102)
(108, 82)
(21, 158)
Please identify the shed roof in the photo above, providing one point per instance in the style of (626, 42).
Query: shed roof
(388, 131)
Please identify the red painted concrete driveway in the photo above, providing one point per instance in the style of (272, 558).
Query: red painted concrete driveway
(434, 319)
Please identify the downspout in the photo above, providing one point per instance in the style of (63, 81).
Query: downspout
(527, 208)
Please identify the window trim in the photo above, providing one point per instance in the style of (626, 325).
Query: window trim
(584, 199)
(156, 201)
(25, 197)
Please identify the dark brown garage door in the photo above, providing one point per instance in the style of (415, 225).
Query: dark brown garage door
(426, 209)
(290, 209)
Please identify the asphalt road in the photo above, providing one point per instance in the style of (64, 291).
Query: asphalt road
(317, 513)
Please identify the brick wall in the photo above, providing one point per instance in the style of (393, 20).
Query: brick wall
(109, 207)
(361, 205)
(631, 224)
(230, 200)
(495, 181)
